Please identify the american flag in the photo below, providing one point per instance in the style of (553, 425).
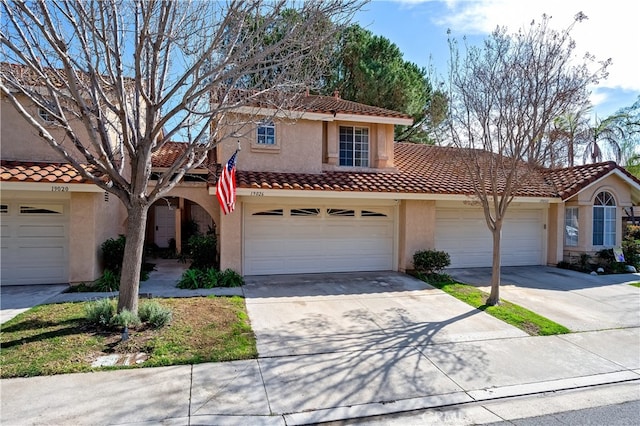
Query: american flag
(226, 187)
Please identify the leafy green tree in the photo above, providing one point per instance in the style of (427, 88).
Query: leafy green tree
(370, 69)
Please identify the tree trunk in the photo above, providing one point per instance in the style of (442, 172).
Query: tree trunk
(494, 297)
(133, 250)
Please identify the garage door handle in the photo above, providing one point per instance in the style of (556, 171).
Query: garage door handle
(156, 228)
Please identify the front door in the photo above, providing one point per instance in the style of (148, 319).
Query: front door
(165, 220)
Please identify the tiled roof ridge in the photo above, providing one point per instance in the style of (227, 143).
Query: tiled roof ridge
(336, 104)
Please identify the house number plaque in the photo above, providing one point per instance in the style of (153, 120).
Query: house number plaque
(57, 188)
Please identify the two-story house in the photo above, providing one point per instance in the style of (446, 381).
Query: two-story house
(321, 188)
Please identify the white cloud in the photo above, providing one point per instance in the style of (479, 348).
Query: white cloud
(610, 31)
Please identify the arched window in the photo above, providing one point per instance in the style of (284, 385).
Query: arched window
(604, 220)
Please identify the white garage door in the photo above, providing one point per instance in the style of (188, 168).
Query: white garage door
(283, 240)
(35, 243)
(463, 233)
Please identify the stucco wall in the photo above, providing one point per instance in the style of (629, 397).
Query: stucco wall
(21, 141)
(303, 146)
(298, 148)
(555, 233)
(94, 219)
(416, 223)
(230, 230)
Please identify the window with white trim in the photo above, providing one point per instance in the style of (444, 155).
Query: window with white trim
(604, 220)
(45, 116)
(571, 226)
(266, 133)
(354, 146)
(4, 208)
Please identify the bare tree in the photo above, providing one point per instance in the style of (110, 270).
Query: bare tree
(137, 74)
(504, 96)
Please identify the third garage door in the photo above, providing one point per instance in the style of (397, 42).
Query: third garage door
(287, 240)
(463, 233)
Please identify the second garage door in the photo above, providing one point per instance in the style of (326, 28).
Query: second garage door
(287, 240)
(463, 233)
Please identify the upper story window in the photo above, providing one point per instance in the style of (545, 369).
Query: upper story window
(354, 146)
(266, 133)
(45, 116)
(604, 220)
(571, 226)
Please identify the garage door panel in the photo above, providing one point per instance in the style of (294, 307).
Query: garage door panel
(35, 247)
(463, 234)
(40, 231)
(323, 242)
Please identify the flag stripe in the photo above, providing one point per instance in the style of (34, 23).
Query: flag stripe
(226, 187)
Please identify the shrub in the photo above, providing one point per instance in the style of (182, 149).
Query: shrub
(113, 253)
(100, 312)
(190, 279)
(209, 278)
(155, 314)
(230, 278)
(203, 251)
(109, 281)
(632, 232)
(431, 261)
(631, 251)
(125, 318)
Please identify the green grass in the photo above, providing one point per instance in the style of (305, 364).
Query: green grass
(524, 319)
(635, 284)
(56, 339)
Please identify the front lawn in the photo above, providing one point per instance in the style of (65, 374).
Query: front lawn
(524, 319)
(56, 339)
(635, 284)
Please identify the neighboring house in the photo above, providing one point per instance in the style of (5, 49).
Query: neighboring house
(328, 191)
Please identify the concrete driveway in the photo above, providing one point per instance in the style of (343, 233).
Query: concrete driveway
(576, 300)
(320, 313)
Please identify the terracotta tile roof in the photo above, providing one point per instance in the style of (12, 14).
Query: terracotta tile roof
(169, 153)
(422, 169)
(336, 105)
(20, 171)
(569, 181)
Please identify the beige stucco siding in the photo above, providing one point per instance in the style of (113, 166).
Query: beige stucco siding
(556, 233)
(303, 146)
(21, 141)
(297, 149)
(230, 232)
(94, 219)
(416, 221)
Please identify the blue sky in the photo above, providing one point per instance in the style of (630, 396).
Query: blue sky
(419, 29)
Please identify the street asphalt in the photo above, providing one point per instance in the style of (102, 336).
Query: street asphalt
(348, 346)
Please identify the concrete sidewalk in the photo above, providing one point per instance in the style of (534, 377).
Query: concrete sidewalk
(324, 387)
(385, 343)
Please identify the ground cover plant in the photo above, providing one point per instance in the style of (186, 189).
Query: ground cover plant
(59, 338)
(524, 319)
(635, 284)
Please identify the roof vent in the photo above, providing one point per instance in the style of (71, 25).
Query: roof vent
(336, 94)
